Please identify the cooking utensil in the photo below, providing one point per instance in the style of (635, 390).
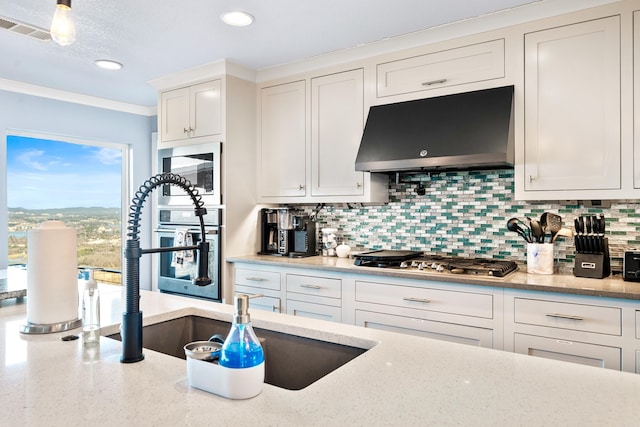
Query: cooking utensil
(514, 225)
(543, 222)
(536, 230)
(552, 223)
(564, 232)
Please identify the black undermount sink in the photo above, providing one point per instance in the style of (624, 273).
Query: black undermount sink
(291, 362)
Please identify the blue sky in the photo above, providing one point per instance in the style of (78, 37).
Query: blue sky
(44, 174)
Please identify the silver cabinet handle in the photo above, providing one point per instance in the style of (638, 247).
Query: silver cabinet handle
(311, 286)
(358, 185)
(276, 309)
(256, 279)
(300, 187)
(564, 316)
(434, 82)
(412, 299)
(185, 130)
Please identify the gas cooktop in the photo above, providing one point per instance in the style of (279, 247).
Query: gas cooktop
(419, 261)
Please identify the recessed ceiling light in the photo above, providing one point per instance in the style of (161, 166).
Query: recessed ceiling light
(237, 18)
(108, 64)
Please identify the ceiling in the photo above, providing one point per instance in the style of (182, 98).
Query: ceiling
(154, 38)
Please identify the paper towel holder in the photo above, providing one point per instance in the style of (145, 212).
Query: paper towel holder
(33, 328)
(63, 315)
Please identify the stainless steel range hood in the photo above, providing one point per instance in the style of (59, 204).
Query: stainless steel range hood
(472, 130)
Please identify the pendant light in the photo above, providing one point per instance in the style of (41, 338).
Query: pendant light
(63, 30)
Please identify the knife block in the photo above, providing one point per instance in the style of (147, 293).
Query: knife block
(594, 266)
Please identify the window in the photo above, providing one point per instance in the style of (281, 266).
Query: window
(79, 182)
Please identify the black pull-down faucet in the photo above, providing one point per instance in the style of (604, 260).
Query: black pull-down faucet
(131, 328)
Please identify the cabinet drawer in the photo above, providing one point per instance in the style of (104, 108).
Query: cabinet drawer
(451, 67)
(569, 351)
(311, 285)
(563, 315)
(314, 311)
(463, 334)
(444, 301)
(258, 278)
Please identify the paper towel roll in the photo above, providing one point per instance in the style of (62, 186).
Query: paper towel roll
(52, 274)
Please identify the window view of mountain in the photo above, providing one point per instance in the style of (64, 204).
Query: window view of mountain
(97, 230)
(73, 182)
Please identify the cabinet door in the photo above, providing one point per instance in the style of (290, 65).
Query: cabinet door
(572, 107)
(569, 351)
(314, 311)
(206, 108)
(636, 99)
(282, 156)
(337, 114)
(444, 331)
(466, 64)
(175, 115)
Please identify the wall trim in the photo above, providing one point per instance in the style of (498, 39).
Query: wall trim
(75, 98)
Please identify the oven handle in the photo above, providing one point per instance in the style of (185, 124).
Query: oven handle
(191, 230)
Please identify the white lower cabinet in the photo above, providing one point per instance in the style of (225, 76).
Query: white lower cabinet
(254, 281)
(429, 309)
(576, 329)
(569, 351)
(314, 310)
(314, 296)
(452, 332)
(590, 330)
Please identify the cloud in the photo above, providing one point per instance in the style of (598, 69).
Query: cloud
(108, 156)
(32, 159)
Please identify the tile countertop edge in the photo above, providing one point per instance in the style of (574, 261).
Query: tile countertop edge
(610, 287)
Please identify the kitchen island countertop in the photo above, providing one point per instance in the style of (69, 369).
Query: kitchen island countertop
(402, 380)
(610, 287)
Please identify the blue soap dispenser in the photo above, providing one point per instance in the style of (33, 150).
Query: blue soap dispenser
(241, 348)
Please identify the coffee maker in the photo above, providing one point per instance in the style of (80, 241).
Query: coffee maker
(268, 232)
(287, 232)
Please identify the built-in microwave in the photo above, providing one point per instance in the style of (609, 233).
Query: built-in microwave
(200, 164)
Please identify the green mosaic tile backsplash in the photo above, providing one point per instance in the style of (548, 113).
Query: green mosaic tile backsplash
(465, 214)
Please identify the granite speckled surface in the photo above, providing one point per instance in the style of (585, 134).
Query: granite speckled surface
(402, 380)
(610, 287)
(14, 285)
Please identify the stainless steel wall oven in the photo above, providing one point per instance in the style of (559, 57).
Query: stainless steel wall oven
(179, 226)
(200, 164)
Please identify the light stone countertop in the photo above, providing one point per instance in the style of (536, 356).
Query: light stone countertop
(610, 287)
(402, 380)
(13, 283)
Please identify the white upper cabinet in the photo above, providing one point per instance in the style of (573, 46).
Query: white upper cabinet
(309, 136)
(451, 67)
(191, 112)
(337, 120)
(636, 100)
(572, 111)
(282, 144)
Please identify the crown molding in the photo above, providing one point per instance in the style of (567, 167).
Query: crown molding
(201, 74)
(75, 98)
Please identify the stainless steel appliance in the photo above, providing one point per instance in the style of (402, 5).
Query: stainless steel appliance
(437, 264)
(631, 266)
(200, 164)
(463, 131)
(287, 232)
(175, 270)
